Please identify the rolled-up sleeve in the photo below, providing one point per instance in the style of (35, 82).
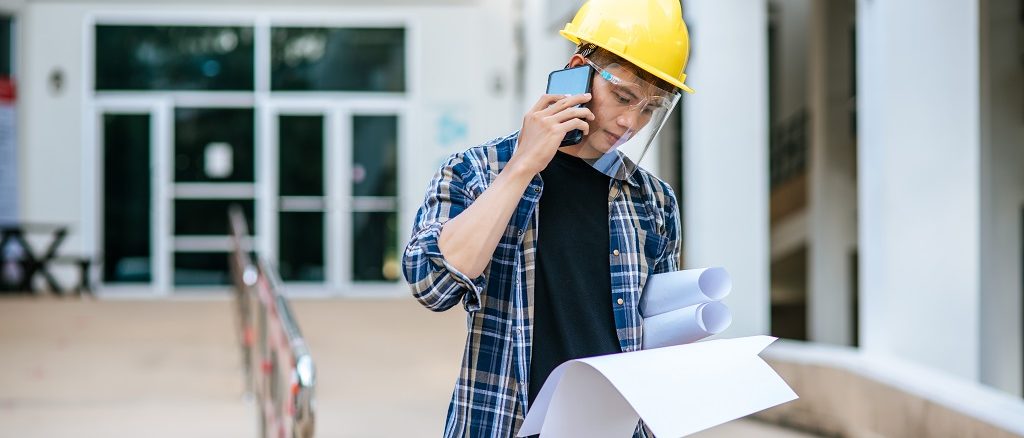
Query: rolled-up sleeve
(436, 283)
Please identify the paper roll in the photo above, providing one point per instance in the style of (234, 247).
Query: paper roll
(686, 325)
(671, 291)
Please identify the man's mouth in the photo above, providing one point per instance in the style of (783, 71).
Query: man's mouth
(614, 138)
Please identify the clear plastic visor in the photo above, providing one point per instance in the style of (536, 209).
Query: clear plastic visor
(629, 112)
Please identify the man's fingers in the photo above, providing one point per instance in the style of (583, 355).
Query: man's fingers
(546, 101)
(573, 112)
(572, 124)
(566, 102)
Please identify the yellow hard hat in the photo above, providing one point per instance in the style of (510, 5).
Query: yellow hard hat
(650, 34)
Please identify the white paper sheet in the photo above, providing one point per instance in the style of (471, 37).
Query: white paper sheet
(686, 325)
(677, 390)
(670, 291)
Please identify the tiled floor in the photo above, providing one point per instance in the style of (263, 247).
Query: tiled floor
(170, 368)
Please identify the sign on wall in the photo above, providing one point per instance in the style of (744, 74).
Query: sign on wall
(8, 153)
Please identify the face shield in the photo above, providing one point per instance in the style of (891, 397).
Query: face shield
(629, 112)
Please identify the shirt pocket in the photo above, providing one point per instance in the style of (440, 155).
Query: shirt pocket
(651, 246)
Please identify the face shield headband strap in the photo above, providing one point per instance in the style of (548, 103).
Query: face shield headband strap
(585, 50)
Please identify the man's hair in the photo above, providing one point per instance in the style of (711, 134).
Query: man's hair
(603, 58)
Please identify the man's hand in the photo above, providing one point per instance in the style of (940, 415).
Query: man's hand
(469, 239)
(544, 127)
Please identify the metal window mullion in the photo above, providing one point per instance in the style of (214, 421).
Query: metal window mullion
(266, 177)
(266, 139)
(162, 138)
(372, 204)
(401, 149)
(261, 56)
(332, 226)
(208, 244)
(342, 122)
(213, 190)
(185, 99)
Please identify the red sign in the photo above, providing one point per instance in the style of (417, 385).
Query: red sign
(6, 89)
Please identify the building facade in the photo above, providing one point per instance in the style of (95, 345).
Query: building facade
(856, 165)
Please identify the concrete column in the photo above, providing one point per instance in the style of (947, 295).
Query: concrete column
(1002, 195)
(918, 173)
(726, 152)
(832, 192)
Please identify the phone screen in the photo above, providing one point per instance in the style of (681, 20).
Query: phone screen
(571, 81)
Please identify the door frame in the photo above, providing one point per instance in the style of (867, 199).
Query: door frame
(338, 209)
(161, 139)
(264, 104)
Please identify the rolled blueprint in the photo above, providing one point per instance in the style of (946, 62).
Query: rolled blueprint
(686, 325)
(671, 291)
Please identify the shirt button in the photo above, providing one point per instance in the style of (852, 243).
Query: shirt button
(521, 232)
(536, 189)
(620, 301)
(615, 253)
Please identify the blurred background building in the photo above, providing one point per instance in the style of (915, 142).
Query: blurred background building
(856, 165)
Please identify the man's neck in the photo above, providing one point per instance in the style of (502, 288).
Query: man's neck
(581, 151)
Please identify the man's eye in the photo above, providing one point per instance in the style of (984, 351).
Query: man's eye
(622, 99)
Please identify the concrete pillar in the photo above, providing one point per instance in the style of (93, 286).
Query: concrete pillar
(1002, 195)
(832, 192)
(918, 173)
(725, 131)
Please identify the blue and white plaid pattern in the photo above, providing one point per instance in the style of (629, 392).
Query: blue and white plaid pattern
(490, 396)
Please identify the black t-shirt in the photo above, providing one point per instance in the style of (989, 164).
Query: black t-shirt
(572, 308)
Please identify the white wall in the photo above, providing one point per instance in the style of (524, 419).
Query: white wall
(918, 192)
(726, 152)
(50, 140)
(1002, 195)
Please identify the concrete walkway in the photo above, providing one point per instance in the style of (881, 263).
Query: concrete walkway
(170, 368)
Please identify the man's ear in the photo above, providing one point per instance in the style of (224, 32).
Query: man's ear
(576, 61)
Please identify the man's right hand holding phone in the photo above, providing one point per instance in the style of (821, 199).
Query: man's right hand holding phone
(468, 240)
(544, 127)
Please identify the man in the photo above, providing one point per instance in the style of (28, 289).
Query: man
(548, 248)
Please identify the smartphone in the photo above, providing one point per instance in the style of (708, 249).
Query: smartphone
(574, 80)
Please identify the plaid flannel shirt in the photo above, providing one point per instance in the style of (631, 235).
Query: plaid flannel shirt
(490, 396)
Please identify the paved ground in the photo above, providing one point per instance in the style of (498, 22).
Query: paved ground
(170, 368)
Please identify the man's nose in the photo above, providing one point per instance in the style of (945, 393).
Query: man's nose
(629, 118)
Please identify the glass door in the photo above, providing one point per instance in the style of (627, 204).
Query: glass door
(373, 197)
(297, 121)
(332, 178)
(301, 193)
(127, 227)
(213, 158)
(133, 214)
